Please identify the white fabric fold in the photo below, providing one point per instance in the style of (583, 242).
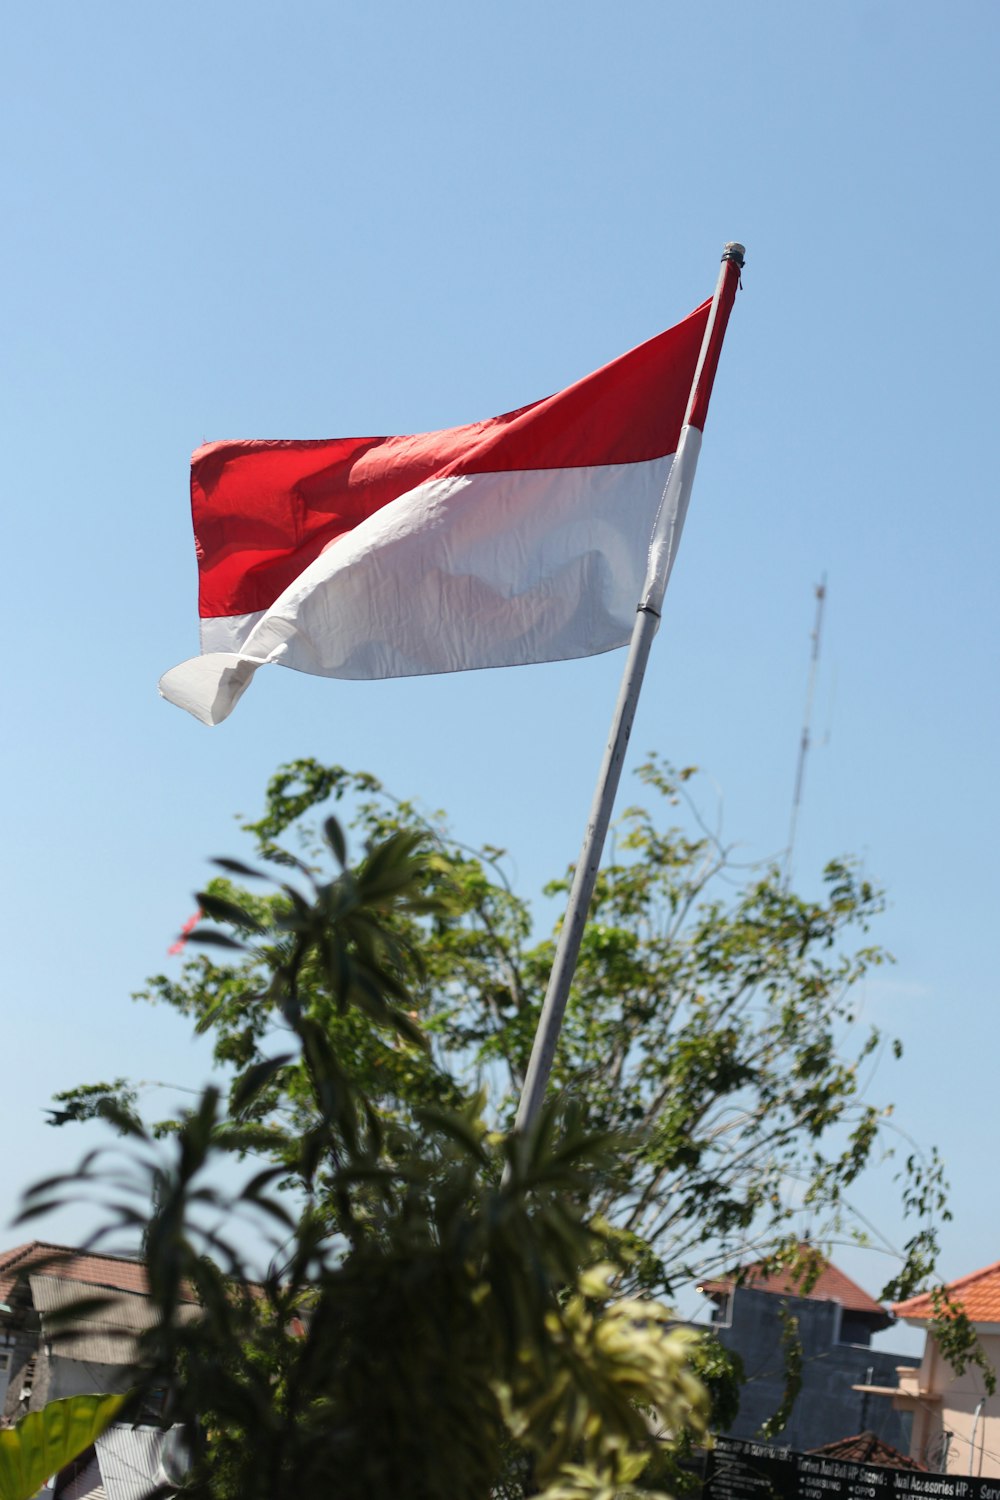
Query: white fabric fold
(482, 570)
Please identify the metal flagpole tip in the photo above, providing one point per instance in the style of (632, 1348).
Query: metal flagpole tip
(735, 252)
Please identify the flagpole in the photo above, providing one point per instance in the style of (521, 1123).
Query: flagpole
(663, 546)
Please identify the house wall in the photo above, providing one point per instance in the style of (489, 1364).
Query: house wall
(55, 1377)
(79, 1377)
(51, 1376)
(942, 1431)
(23, 1347)
(827, 1408)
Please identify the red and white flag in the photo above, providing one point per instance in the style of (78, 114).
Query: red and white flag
(524, 538)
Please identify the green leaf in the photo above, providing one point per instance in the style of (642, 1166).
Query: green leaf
(221, 910)
(209, 938)
(37, 1210)
(335, 838)
(237, 867)
(79, 1309)
(45, 1441)
(255, 1080)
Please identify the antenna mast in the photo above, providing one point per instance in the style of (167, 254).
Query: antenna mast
(805, 741)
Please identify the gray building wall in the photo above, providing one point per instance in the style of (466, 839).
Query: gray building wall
(80, 1377)
(827, 1408)
(23, 1346)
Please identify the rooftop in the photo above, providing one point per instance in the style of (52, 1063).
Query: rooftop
(978, 1293)
(866, 1448)
(114, 1272)
(48, 1267)
(830, 1285)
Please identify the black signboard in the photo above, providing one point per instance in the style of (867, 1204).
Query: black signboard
(737, 1469)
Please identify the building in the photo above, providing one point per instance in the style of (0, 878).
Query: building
(41, 1359)
(836, 1320)
(955, 1422)
(868, 1449)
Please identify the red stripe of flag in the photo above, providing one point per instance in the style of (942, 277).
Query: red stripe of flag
(264, 510)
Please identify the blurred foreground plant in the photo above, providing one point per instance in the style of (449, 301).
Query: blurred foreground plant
(425, 1325)
(712, 1035)
(42, 1442)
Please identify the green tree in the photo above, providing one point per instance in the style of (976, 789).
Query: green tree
(439, 1316)
(711, 1023)
(710, 1036)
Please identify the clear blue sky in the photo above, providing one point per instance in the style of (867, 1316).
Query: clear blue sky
(242, 220)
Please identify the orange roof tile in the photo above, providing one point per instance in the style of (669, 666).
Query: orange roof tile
(978, 1293)
(113, 1271)
(831, 1285)
(866, 1448)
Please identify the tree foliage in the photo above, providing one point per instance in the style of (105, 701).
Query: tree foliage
(439, 1317)
(447, 1276)
(712, 1021)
